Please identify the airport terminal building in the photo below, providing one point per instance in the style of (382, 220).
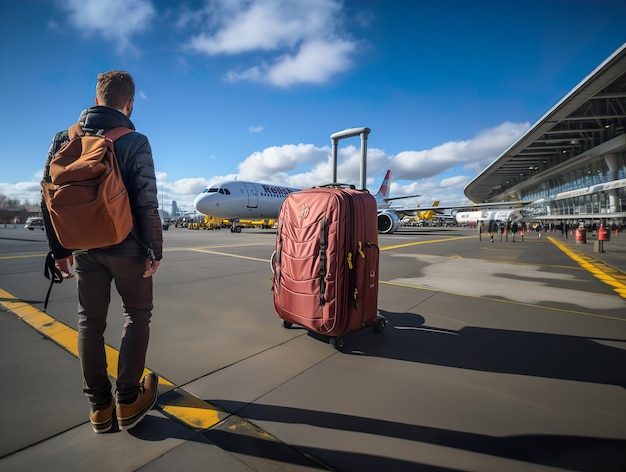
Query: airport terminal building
(572, 163)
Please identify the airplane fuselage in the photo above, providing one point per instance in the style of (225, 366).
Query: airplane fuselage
(238, 199)
(464, 217)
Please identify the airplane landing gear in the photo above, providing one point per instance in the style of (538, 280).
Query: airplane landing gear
(235, 229)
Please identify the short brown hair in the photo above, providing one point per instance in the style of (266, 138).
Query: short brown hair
(115, 88)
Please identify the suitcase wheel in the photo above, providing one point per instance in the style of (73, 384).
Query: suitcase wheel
(286, 324)
(336, 342)
(379, 324)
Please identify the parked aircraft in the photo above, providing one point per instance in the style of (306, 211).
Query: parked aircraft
(236, 199)
(428, 214)
(464, 217)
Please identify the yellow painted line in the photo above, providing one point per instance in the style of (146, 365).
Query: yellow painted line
(191, 410)
(430, 241)
(62, 334)
(598, 269)
(178, 403)
(213, 246)
(499, 300)
(57, 331)
(167, 249)
(229, 255)
(22, 256)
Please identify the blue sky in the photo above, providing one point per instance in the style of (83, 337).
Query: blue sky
(255, 88)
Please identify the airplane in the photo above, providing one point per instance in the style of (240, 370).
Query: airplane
(473, 217)
(428, 214)
(236, 199)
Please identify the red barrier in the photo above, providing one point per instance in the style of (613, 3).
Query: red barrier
(581, 236)
(604, 234)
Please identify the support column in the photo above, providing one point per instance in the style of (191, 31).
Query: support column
(612, 163)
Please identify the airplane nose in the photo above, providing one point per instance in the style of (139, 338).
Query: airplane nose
(200, 202)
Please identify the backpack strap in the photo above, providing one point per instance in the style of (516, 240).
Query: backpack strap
(52, 273)
(75, 130)
(116, 133)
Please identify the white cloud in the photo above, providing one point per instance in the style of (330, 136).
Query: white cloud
(474, 154)
(263, 25)
(255, 129)
(188, 187)
(299, 40)
(315, 62)
(277, 162)
(439, 173)
(23, 191)
(115, 20)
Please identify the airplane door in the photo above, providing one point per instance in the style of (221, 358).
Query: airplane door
(253, 196)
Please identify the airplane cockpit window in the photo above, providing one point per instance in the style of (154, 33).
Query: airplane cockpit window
(223, 191)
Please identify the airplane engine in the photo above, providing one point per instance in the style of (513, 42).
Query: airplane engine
(388, 222)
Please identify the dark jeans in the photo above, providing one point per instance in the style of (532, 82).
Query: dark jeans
(95, 270)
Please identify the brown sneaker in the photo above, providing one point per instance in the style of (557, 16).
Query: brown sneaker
(102, 420)
(129, 414)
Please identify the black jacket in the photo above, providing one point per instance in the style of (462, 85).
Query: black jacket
(134, 155)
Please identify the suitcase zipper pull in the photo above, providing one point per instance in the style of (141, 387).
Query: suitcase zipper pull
(361, 250)
(350, 260)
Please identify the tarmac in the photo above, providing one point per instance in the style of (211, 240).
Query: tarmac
(496, 356)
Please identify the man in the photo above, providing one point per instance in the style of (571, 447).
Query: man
(492, 229)
(131, 264)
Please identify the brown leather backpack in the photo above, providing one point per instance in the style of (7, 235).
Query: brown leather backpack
(85, 194)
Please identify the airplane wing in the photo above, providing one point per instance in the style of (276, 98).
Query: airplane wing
(389, 219)
(468, 207)
(388, 199)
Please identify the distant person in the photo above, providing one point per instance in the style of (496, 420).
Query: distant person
(481, 226)
(514, 228)
(492, 229)
(130, 264)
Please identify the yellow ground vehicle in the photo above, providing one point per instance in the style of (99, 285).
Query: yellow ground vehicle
(209, 222)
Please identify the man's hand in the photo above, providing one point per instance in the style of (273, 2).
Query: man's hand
(65, 266)
(151, 268)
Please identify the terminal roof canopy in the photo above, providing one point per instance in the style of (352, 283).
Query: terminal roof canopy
(593, 113)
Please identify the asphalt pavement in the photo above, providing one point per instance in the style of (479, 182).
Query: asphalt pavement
(496, 356)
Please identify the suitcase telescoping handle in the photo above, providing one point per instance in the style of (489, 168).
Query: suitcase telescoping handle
(349, 133)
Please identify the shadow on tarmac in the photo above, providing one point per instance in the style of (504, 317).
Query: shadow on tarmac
(407, 338)
(554, 356)
(569, 452)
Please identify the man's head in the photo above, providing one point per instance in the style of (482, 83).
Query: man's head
(116, 89)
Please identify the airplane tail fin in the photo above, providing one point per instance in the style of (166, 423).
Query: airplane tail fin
(383, 191)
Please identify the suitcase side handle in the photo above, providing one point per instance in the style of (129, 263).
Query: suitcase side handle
(349, 133)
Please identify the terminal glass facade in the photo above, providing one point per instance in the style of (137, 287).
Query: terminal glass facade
(591, 191)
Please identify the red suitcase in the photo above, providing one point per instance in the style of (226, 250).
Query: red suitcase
(326, 261)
